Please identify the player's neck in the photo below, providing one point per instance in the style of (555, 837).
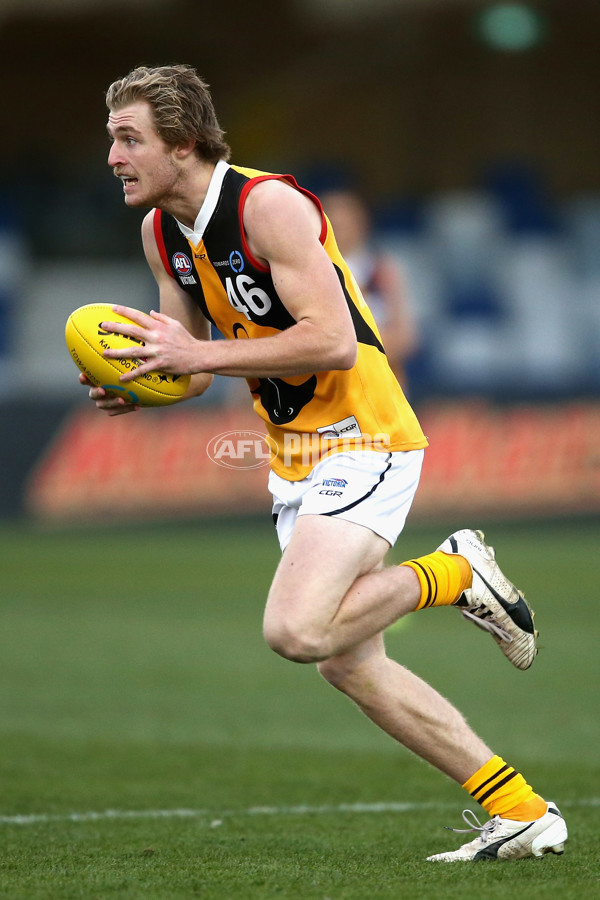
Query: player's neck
(189, 193)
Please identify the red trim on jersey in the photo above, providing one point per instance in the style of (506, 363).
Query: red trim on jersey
(244, 196)
(160, 241)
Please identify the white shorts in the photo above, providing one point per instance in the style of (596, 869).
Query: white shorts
(368, 487)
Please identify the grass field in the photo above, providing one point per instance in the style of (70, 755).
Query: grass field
(153, 747)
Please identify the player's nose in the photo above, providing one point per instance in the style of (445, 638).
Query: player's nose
(115, 156)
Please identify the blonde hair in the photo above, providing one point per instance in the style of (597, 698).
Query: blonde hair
(181, 106)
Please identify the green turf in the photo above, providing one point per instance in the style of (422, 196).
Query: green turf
(133, 678)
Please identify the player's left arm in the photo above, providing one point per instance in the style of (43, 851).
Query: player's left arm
(283, 228)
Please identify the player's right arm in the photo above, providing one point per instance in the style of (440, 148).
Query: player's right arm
(174, 302)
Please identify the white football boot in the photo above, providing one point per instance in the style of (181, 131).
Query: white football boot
(493, 602)
(508, 839)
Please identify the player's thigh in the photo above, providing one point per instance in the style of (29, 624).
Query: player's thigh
(322, 561)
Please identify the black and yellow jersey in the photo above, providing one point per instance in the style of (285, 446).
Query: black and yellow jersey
(307, 416)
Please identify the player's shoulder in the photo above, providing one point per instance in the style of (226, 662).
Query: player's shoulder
(265, 185)
(148, 224)
(153, 241)
(274, 206)
(154, 223)
(273, 198)
(149, 242)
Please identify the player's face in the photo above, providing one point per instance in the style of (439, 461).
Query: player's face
(138, 156)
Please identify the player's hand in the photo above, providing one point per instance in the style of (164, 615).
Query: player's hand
(168, 346)
(113, 406)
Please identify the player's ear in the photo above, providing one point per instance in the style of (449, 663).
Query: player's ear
(184, 149)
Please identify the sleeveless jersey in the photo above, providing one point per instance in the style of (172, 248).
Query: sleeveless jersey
(306, 416)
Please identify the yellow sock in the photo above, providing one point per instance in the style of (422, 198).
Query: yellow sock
(503, 792)
(442, 576)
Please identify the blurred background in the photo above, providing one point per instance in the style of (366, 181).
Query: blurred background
(468, 133)
(456, 143)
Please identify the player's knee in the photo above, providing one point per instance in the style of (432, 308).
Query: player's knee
(295, 643)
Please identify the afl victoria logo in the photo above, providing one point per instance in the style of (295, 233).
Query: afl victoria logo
(182, 263)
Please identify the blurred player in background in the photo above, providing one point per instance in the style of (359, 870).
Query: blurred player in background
(377, 273)
(253, 253)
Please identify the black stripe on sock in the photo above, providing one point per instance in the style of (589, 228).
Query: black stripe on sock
(428, 602)
(436, 586)
(502, 769)
(504, 780)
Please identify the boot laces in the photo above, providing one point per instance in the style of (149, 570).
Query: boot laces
(473, 823)
(488, 625)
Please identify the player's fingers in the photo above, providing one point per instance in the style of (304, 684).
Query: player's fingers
(161, 317)
(137, 371)
(128, 352)
(96, 393)
(138, 332)
(136, 315)
(123, 409)
(111, 404)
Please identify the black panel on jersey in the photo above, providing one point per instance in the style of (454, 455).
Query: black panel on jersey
(284, 401)
(223, 240)
(225, 249)
(176, 242)
(364, 334)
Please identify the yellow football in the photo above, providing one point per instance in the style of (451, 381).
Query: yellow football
(87, 340)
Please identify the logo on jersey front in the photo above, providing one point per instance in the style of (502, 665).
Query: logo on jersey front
(236, 261)
(183, 267)
(345, 428)
(182, 263)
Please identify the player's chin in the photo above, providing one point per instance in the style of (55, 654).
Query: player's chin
(135, 201)
(134, 195)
